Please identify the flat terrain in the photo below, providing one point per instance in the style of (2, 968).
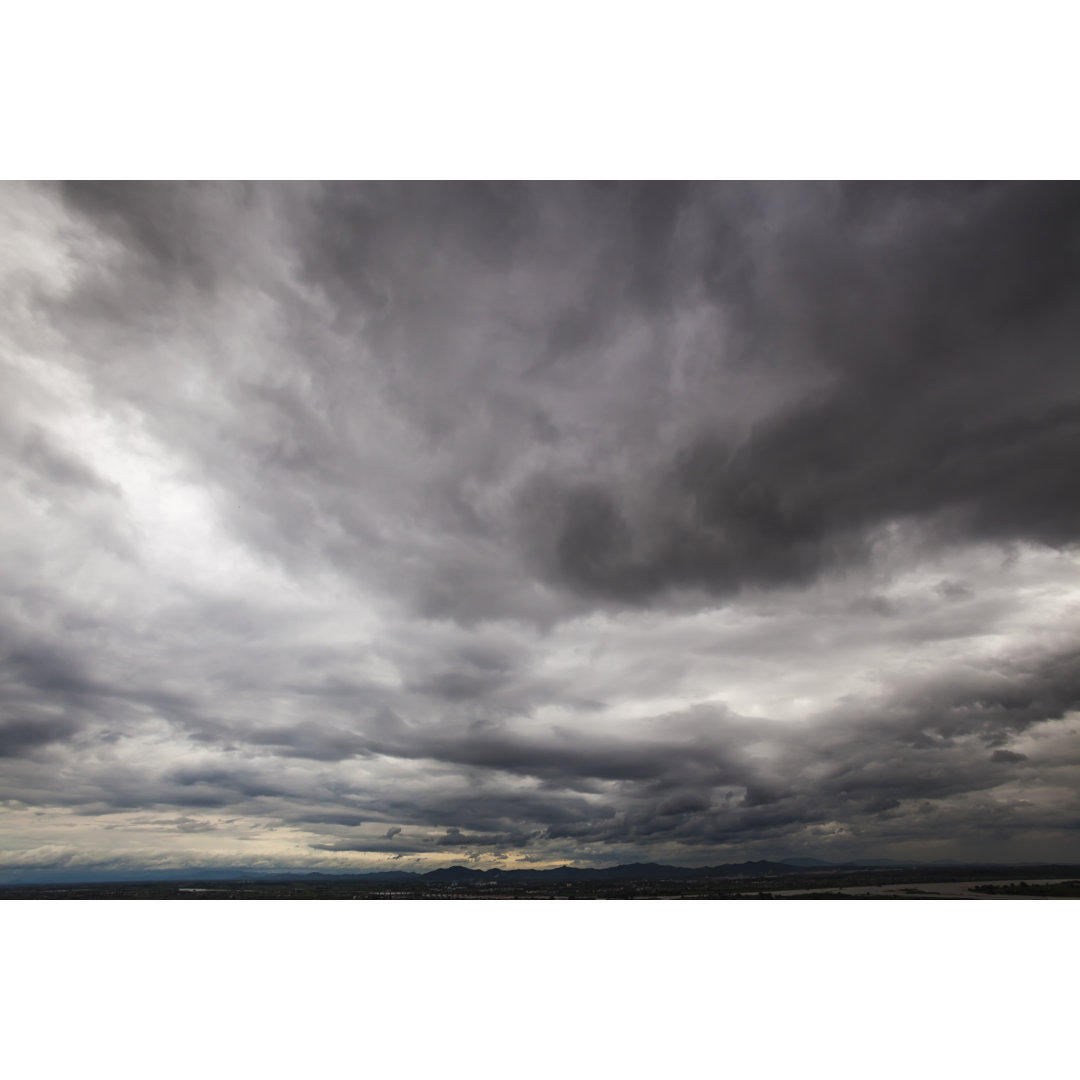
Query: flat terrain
(962, 883)
(1059, 889)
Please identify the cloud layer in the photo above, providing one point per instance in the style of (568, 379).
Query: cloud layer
(349, 524)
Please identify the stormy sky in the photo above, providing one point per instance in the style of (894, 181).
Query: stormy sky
(400, 525)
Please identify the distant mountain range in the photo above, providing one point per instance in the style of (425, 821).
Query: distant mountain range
(464, 874)
(628, 872)
(648, 871)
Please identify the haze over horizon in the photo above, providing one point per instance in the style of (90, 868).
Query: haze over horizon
(392, 526)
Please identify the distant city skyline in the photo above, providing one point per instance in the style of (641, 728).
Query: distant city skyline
(359, 527)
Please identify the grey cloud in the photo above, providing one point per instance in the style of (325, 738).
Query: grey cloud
(1008, 756)
(162, 227)
(716, 505)
(59, 467)
(18, 737)
(454, 838)
(684, 803)
(952, 590)
(927, 407)
(351, 821)
(52, 670)
(457, 511)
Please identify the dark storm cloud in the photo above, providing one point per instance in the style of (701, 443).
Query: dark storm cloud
(944, 330)
(710, 782)
(19, 736)
(49, 669)
(936, 329)
(579, 520)
(1008, 756)
(159, 226)
(846, 768)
